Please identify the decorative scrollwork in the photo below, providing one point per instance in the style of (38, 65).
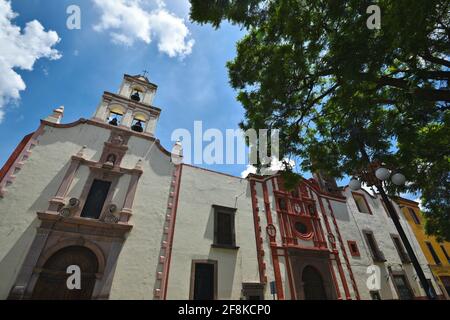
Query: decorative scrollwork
(110, 218)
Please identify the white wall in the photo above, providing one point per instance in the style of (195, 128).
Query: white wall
(136, 268)
(351, 226)
(194, 233)
(39, 180)
(34, 185)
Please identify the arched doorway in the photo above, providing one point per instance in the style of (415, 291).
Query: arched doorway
(52, 285)
(313, 286)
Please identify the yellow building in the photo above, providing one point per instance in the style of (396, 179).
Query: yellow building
(436, 253)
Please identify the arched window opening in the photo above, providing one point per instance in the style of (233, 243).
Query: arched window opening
(136, 94)
(115, 116)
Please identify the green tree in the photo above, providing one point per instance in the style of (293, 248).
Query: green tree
(336, 89)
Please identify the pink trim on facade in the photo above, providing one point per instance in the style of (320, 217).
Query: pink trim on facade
(17, 159)
(258, 237)
(168, 234)
(333, 245)
(333, 276)
(14, 156)
(127, 208)
(275, 259)
(58, 199)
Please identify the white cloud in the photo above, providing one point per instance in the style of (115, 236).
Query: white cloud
(421, 207)
(275, 166)
(370, 190)
(278, 165)
(19, 50)
(128, 21)
(250, 169)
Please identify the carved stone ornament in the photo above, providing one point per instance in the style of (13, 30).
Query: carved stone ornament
(110, 218)
(117, 140)
(65, 212)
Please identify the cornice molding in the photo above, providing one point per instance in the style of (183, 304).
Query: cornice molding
(97, 123)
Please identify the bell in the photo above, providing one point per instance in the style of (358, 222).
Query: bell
(135, 96)
(137, 127)
(114, 122)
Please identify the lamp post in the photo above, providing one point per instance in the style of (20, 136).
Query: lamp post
(374, 175)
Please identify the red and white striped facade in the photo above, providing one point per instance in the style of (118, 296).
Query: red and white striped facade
(289, 251)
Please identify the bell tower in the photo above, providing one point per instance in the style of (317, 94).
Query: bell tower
(131, 107)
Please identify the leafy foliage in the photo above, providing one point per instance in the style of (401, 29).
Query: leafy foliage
(336, 89)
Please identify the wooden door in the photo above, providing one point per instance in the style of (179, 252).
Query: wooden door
(52, 282)
(313, 286)
(204, 281)
(403, 289)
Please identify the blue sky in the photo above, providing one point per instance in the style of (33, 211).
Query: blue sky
(193, 87)
(187, 61)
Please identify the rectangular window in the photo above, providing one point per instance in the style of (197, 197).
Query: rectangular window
(203, 280)
(387, 211)
(400, 249)
(361, 203)
(96, 199)
(224, 230)
(413, 215)
(354, 251)
(403, 289)
(376, 253)
(445, 253)
(433, 253)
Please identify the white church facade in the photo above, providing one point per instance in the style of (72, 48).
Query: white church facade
(104, 195)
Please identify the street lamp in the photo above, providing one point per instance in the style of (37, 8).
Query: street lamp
(374, 175)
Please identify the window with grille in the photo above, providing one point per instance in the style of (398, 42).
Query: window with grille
(376, 253)
(361, 203)
(403, 288)
(224, 227)
(433, 253)
(400, 249)
(414, 216)
(445, 253)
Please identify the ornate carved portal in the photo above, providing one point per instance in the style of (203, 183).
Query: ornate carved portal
(312, 275)
(92, 245)
(52, 282)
